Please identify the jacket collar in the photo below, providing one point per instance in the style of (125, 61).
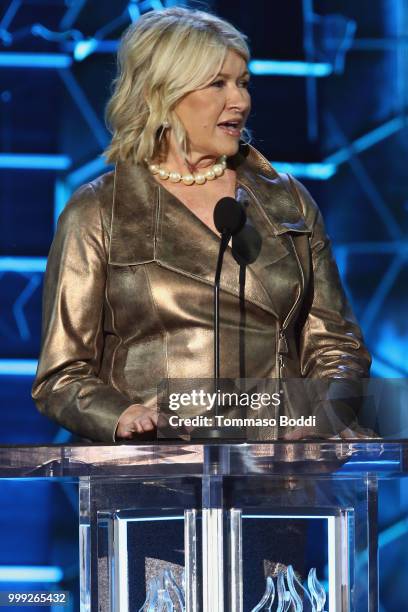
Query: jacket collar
(270, 189)
(147, 221)
(136, 194)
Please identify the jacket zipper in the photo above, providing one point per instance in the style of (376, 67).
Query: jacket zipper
(282, 344)
(282, 341)
(283, 348)
(156, 221)
(279, 364)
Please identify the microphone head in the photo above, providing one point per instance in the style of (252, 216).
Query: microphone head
(229, 216)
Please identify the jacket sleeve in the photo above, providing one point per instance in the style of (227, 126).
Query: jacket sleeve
(67, 387)
(331, 342)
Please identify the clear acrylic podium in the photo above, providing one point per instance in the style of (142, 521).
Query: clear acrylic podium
(223, 527)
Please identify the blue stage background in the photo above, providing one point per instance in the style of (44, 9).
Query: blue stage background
(330, 93)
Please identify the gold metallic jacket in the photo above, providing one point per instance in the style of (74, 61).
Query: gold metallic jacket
(128, 296)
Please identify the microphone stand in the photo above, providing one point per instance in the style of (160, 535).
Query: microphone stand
(215, 433)
(225, 238)
(229, 218)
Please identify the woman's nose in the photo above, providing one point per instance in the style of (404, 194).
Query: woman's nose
(238, 97)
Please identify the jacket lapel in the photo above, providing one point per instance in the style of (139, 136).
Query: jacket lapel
(256, 174)
(150, 224)
(133, 216)
(278, 216)
(187, 245)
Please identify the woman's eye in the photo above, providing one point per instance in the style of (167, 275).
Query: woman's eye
(220, 83)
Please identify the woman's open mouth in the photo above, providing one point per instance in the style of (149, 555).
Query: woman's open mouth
(232, 128)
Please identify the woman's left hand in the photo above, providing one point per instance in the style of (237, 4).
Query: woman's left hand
(136, 419)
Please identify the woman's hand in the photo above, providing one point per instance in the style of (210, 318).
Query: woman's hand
(136, 419)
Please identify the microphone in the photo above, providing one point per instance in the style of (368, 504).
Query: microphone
(229, 216)
(229, 219)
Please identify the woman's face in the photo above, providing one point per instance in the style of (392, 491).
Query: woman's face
(214, 116)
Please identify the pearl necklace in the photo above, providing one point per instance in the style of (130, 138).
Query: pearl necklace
(199, 178)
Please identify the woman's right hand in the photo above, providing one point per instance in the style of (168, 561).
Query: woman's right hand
(136, 419)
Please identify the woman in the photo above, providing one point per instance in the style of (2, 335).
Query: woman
(128, 289)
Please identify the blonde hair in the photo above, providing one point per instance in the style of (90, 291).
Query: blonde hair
(162, 57)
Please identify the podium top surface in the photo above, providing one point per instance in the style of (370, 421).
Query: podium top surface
(303, 459)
